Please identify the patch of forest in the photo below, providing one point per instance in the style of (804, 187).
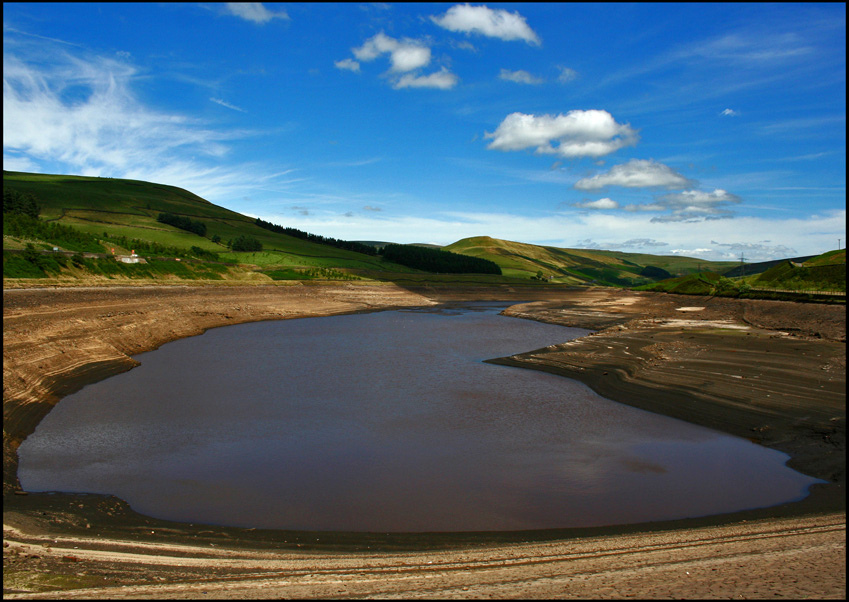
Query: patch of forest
(348, 245)
(437, 260)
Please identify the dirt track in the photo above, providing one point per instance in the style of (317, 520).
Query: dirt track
(648, 352)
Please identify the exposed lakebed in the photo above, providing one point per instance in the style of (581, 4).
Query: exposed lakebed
(387, 421)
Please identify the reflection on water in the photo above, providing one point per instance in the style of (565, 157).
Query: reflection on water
(386, 422)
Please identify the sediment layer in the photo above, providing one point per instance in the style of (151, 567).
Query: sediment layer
(771, 371)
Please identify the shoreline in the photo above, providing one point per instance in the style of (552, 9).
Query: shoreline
(83, 336)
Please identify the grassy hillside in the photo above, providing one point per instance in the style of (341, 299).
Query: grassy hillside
(112, 211)
(702, 283)
(577, 266)
(826, 272)
(87, 216)
(819, 274)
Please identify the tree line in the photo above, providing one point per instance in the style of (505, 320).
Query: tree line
(183, 223)
(437, 260)
(18, 203)
(348, 245)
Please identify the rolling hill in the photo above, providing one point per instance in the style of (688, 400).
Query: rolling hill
(825, 272)
(105, 216)
(578, 266)
(113, 210)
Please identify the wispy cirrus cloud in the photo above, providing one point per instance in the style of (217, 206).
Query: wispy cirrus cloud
(77, 113)
(227, 105)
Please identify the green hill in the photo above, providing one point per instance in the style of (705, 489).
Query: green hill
(786, 279)
(578, 266)
(119, 213)
(702, 283)
(181, 235)
(826, 272)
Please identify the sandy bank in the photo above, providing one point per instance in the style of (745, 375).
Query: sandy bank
(770, 371)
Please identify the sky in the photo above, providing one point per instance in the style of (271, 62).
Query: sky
(715, 131)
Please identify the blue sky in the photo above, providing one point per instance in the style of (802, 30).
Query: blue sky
(706, 130)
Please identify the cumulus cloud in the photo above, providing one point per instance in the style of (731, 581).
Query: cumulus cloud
(520, 77)
(636, 173)
(253, 11)
(592, 133)
(442, 80)
(406, 55)
(729, 113)
(488, 22)
(604, 203)
(348, 64)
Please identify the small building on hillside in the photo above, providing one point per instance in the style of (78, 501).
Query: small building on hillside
(132, 258)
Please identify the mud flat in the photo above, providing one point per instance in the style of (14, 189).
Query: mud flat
(770, 371)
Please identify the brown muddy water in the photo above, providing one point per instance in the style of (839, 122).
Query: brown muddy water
(387, 422)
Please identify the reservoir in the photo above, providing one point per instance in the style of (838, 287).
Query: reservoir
(387, 422)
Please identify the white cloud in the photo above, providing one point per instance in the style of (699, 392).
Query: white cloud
(406, 58)
(227, 104)
(604, 203)
(406, 55)
(755, 249)
(520, 77)
(485, 21)
(349, 64)
(13, 163)
(107, 131)
(696, 204)
(253, 11)
(442, 80)
(592, 133)
(729, 113)
(634, 243)
(566, 75)
(636, 173)
(797, 237)
(645, 207)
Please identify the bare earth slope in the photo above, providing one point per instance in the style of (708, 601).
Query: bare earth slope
(771, 371)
